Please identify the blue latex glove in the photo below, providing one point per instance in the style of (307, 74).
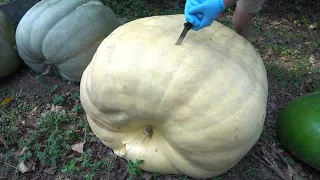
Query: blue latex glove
(202, 13)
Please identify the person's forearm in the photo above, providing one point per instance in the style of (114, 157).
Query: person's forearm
(229, 3)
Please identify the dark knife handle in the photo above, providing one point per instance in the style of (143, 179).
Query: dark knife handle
(188, 25)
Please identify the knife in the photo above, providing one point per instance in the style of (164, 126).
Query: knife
(187, 27)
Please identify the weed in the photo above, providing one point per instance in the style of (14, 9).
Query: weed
(53, 88)
(51, 139)
(77, 109)
(58, 100)
(134, 169)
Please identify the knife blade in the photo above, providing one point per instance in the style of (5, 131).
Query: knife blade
(187, 27)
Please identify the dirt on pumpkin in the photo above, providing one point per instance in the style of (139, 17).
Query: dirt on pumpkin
(44, 133)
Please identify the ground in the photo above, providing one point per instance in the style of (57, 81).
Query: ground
(44, 134)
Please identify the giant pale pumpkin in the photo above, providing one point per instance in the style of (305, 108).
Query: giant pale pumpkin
(62, 35)
(298, 128)
(194, 109)
(9, 59)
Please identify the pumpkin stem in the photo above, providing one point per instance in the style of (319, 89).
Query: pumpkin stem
(48, 70)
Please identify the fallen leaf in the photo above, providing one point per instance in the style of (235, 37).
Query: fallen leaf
(7, 101)
(312, 59)
(57, 109)
(283, 58)
(23, 168)
(312, 26)
(26, 166)
(78, 147)
(33, 111)
(23, 150)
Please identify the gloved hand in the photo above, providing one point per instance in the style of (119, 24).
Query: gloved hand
(202, 13)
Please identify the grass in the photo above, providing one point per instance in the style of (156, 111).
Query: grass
(4, 1)
(44, 132)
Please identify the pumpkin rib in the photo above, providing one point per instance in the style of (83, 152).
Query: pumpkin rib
(54, 28)
(55, 23)
(180, 65)
(64, 66)
(50, 34)
(29, 15)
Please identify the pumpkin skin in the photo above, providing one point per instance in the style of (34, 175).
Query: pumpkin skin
(9, 59)
(62, 35)
(194, 109)
(298, 128)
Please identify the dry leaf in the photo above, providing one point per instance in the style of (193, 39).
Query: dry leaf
(313, 26)
(78, 147)
(33, 111)
(26, 166)
(23, 150)
(312, 59)
(57, 109)
(7, 101)
(283, 58)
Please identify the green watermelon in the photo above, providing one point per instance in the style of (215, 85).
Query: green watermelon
(298, 129)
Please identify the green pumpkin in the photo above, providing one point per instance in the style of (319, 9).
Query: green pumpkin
(61, 36)
(9, 59)
(298, 129)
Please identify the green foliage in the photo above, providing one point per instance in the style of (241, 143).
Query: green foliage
(10, 125)
(58, 100)
(55, 135)
(4, 1)
(141, 8)
(134, 169)
(86, 161)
